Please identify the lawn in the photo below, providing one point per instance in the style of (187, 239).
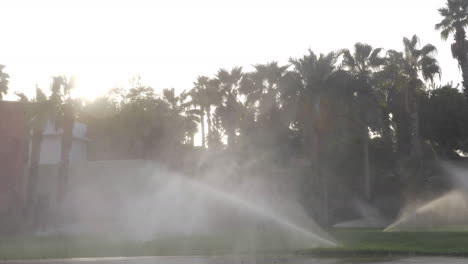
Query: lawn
(450, 241)
(100, 246)
(352, 243)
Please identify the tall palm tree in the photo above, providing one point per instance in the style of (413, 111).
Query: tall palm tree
(362, 63)
(190, 117)
(213, 98)
(417, 62)
(229, 82)
(313, 73)
(454, 22)
(393, 86)
(206, 94)
(201, 96)
(39, 114)
(3, 82)
(61, 97)
(262, 108)
(170, 97)
(263, 87)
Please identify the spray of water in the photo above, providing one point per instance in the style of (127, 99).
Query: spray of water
(146, 202)
(263, 212)
(370, 217)
(448, 209)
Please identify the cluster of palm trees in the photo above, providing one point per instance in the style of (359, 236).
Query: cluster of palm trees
(59, 109)
(363, 91)
(346, 107)
(454, 22)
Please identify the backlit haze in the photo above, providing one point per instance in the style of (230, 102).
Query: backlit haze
(169, 43)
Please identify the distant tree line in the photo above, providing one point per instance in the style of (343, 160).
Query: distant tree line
(366, 122)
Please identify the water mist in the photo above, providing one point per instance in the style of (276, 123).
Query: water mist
(144, 202)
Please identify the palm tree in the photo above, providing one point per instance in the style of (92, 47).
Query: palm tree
(204, 95)
(170, 97)
(229, 107)
(262, 107)
(3, 82)
(417, 62)
(200, 99)
(362, 63)
(213, 98)
(263, 87)
(190, 117)
(454, 22)
(392, 84)
(39, 115)
(61, 98)
(313, 73)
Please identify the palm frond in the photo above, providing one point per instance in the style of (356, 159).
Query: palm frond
(361, 52)
(414, 40)
(222, 75)
(444, 11)
(428, 49)
(348, 59)
(444, 34)
(430, 68)
(375, 60)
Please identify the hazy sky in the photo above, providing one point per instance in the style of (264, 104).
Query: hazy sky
(105, 43)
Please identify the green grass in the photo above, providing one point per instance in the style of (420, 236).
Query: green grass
(99, 246)
(353, 243)
(90, 246)
(374, 242)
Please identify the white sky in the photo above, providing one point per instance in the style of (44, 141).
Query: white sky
(105, 43)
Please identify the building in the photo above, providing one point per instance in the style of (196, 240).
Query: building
(51, 143)
(12, 155)
(15, 184)
(46, 189)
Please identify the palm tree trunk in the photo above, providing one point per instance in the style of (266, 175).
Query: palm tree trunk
(415, 135)
(416, 163)
(322, 180)
(326, 200)
(230, 128)
(386, 130)
(460, 52)
(192, 139)
(34, 167)
(463, 62)
(415, 138)
(230, 137)
(365, 165)
(208, 119)
(66, 145)
(202, 121)
(464, 68)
